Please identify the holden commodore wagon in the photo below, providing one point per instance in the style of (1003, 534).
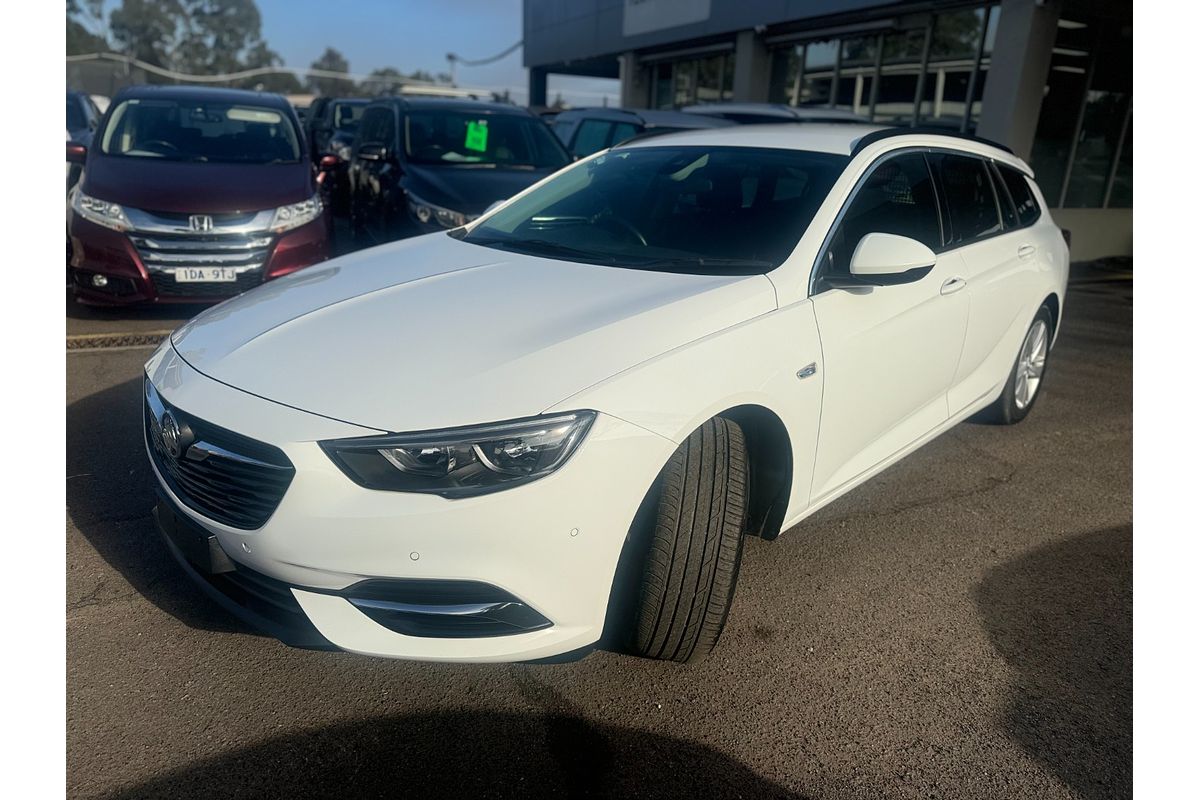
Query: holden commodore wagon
(555, 425)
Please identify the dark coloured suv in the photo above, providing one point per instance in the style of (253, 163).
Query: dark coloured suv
(193, 194)
(423, 165)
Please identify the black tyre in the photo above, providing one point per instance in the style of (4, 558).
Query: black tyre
(695, 548)
(1028, 371)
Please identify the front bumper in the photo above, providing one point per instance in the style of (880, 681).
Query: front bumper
(96, 250)
(551, 545)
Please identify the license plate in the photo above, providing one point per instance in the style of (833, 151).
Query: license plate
(205, 275)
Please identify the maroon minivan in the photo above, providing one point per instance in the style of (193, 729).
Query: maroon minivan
(192, 195)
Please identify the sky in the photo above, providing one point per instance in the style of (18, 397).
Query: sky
(411, 35)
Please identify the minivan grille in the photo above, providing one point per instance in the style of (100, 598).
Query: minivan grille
(222, 475)
(162, 253)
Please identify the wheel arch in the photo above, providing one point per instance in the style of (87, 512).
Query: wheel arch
(769, 453)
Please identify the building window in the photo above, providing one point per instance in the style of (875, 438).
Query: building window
(932, 73)
(700, 80)
(1083, 148)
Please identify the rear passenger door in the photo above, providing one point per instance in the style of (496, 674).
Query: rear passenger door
(888, 352)
(999, 260)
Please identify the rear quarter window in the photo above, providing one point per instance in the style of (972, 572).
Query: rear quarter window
(1028, 210)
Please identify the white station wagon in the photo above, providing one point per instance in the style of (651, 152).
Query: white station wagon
(554, 426)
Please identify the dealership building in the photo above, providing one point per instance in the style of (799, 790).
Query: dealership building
(1052, 79)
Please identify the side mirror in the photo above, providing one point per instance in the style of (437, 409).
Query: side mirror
(76, 153)
(885, 259)
(372, 152)
(328, 162)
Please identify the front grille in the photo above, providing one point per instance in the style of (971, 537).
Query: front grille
(220, 474)
(162, 253)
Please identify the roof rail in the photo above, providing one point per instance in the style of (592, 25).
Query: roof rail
(888, 133)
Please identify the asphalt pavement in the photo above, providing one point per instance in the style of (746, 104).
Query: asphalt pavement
(959, 627)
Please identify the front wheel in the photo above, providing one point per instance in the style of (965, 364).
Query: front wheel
(1025, 380)
(690, 572)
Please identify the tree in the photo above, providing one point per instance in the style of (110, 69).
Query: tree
(217, 35)
(148, 30)
(86, 27)
(282, 82)
(382, 81)
(331, 61)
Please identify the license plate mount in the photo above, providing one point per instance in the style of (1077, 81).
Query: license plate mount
(205, 275)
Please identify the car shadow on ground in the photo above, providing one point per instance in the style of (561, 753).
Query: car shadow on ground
(1062, 618)
(110, 492)
(466, 754)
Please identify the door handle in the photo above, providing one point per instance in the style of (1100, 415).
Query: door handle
(952, 285)
(1026, 251)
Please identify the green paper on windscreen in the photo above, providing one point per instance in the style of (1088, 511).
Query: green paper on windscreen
(476, 135)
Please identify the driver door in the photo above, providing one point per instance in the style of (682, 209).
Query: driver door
(888, 352)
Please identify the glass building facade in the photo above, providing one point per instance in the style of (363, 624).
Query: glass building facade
(931, 70)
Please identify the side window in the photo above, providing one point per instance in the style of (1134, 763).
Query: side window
(896, 197)
(623, 131)
(1022, 196)
(969, 197)
(388, 135)
(1008, 213)
(592, 136)
(372, 126)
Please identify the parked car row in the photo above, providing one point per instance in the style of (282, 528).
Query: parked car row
(190, 194)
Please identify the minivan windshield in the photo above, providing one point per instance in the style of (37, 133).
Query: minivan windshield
(178, 130)
(489, 140)
(719, 210)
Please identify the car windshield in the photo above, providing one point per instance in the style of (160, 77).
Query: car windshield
(178, 130)
(346, 116)
(487, 140)
(720, 210)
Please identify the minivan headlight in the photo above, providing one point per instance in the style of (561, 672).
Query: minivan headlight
(426, 213)
(293, 216)
(101, 212)
(462, 462)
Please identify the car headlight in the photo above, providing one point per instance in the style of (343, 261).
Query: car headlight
(293, 216)
(462, 462)
(426, 212)
(101, 212)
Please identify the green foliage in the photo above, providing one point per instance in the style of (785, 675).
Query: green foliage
(332, 61)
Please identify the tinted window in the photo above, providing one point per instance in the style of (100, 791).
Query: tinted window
(623, 131)
(76, 119)
(721, 210)
(1022, 196)
(464, 138)
(374, 126)
(592, 136)
(346, 116)
(897, 197)
(969, 198)
(1008, 213)
(191, 130)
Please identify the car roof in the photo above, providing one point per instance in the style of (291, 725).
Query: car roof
(775, 110)
(453, 104)
(649, 118)
(829, 137)
(203, 93)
